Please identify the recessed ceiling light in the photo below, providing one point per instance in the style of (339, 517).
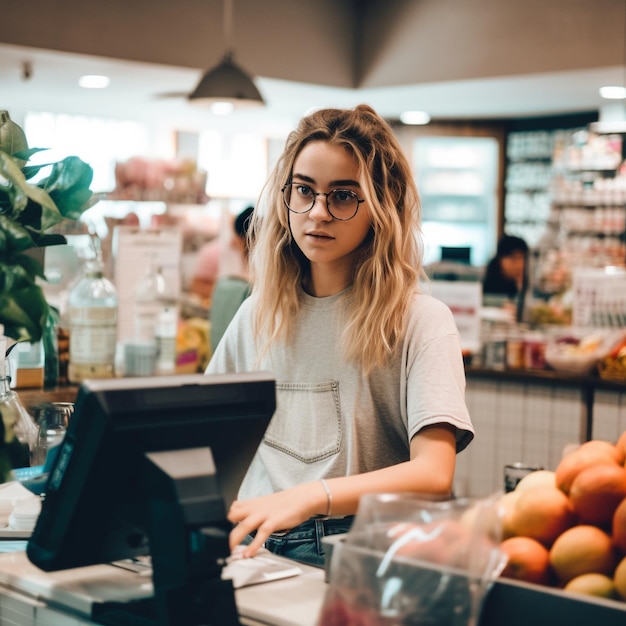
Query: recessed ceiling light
(613, 92)
(94, 81)
(415, 117)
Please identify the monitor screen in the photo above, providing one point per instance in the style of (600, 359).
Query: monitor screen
(124, 437)
(462, 254)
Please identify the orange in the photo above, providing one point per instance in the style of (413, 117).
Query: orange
(596, 492)
(535, 479)
(505, 512)
(589, 453)
(542, 513)
(619, 527)
(592, 585)
(583, 549)
(619, 578)
(528, 560)
(620, 446)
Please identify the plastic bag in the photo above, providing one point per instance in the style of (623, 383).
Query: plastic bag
(413, 560)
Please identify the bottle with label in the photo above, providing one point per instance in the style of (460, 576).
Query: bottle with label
(93, 325)
(166, 332)
(149, 304)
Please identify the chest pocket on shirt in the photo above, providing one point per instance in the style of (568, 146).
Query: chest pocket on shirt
(307, 421)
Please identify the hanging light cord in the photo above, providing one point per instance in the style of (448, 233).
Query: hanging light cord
(623, 51)
(228, 25)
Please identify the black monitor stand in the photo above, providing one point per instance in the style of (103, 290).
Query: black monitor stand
(187, 531)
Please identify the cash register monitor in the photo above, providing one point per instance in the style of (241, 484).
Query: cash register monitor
(145, 458)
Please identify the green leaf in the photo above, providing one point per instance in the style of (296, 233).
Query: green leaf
(68, 184)
(18, 200)
(50, 239)
(25, 155)
(24, 312)
(50, 213)
(27, 211)
(15, 236)
(9, 168)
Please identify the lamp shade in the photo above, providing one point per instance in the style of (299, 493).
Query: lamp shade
(227, 82)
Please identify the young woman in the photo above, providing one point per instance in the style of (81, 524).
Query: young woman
(369, 374)
(505, 274)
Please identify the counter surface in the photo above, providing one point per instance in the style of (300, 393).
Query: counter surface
(294, 601)
(30, 597)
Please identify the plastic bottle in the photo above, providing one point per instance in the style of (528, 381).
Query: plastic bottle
(149, 304)
(167, 329)
(93, 325)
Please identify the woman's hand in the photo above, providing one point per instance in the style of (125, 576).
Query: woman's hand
(278, 511)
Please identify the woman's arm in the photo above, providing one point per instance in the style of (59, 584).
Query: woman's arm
(430, 470)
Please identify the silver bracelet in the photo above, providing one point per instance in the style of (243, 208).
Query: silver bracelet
(329, 496)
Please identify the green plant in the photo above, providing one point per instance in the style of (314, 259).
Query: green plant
(28, 210)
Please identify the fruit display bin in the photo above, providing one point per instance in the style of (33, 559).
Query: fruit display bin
(511, 603)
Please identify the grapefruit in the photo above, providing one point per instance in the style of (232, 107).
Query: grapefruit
(542, 513)
(619, 527)
(592, 584)
(619, 578)
(582, 549)
(590, 453)
(596, 492)
(536, 479)
(527, 560)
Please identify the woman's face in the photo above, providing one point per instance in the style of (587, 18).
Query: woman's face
(329, 244)
(513, 265)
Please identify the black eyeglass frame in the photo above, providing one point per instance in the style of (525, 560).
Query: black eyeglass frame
(321, 193)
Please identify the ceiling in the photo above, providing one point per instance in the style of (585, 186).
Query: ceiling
(476, 59)
(136, 89)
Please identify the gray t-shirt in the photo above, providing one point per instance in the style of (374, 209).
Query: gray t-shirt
(331, 419)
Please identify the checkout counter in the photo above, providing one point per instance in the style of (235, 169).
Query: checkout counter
(31, 597)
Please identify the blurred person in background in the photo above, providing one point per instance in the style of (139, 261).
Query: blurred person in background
(506, 275)
(232, 289)
(206, 271)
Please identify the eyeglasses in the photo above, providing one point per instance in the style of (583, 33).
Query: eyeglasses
(342, 204)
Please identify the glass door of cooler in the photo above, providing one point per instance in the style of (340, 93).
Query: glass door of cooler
(457, 180)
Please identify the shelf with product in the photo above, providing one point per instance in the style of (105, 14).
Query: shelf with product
(529, 171)
(586, 228)
(533, 147)
(150, 227)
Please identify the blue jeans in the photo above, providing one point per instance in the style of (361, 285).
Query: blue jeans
(304, 542)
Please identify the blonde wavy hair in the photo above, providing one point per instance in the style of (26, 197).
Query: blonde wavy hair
(389, 262)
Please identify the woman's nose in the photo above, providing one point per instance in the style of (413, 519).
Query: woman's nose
(320, 210)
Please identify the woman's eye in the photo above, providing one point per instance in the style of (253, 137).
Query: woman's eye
(343, 195)
(303, 190)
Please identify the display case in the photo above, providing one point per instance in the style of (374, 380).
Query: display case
(587, 220)
(533, 146)
(457, 178)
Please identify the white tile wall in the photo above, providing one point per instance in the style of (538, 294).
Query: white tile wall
(609, 415)
(516, 421)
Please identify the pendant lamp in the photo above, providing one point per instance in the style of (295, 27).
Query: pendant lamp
(227, 84)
